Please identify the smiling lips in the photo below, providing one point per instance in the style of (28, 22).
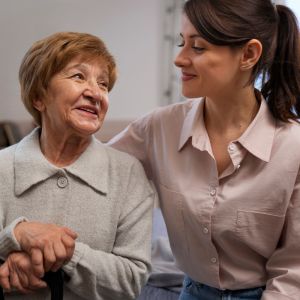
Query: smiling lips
(89, 109)
(187, 76)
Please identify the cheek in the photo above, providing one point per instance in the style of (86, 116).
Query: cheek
(223, 70)
(104, 104)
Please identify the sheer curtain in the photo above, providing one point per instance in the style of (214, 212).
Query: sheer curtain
(170, 74)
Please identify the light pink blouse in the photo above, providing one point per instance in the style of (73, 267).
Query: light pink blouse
(234, 231)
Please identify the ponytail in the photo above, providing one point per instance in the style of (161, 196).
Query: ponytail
(282, 87)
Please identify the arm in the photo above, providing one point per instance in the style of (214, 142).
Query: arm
(135, 139)
(8, 241)
(283, 267)
(120, 274)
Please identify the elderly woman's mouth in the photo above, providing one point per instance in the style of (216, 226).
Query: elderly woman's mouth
(88, 110)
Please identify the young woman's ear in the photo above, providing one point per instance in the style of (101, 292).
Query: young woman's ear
(251, 54)
(38, 105)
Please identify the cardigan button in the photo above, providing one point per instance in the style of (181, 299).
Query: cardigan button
(62, 182)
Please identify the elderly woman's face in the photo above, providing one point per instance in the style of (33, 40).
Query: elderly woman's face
(77, 97)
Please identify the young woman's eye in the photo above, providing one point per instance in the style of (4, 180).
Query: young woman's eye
(198, 49)
(179, 42)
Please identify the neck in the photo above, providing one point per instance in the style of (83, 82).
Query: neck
(231, 114)
(62, 149)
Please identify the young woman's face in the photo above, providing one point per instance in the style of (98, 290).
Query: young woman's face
(207, 70)
(77, 98)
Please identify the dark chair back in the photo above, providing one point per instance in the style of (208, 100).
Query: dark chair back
(9, 134)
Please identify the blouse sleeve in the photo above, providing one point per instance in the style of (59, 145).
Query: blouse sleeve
(135, 139)
(121, 273)
(283, 267)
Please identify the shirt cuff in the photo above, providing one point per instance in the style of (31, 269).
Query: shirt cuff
(8, 241)
(79, 251)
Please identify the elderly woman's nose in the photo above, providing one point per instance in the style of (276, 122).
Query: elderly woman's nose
(93, 91)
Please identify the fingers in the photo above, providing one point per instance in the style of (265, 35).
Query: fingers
(61, 256)
(4, 277)
(56, 254)
(68, 241)
(15, 282)
(36, 283)
(49, 256)
(69, 244)
(70, 232)
(17, 272)
(37, 262)
(18, 266)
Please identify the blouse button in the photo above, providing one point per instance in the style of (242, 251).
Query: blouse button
(231, 147)
(62, 182)
(212, 192)
(205, 230)
(213, 260)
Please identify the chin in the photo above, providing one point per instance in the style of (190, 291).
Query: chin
(191, 94)
(87, 130)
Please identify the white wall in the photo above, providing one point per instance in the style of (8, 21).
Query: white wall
(132, 30)
(295, 6)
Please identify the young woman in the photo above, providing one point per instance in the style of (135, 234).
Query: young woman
(226, 166)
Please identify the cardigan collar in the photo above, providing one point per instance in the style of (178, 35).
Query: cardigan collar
(31, 167)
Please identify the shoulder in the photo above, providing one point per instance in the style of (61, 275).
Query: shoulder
(289, 132)
(7, 156)
(164, 119)
(125, 168)
(119, 161)
(287, 141)
(7, 166)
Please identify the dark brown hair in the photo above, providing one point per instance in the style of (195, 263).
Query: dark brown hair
(48, 56)
(235, 22)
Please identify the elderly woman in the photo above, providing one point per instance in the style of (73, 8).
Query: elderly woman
(67, 200)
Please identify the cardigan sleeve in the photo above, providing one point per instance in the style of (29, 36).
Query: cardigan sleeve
(8, 242)
(283, 267)
(120, 274)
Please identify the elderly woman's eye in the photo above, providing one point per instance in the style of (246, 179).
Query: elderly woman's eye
(103, 84)
(78, 76)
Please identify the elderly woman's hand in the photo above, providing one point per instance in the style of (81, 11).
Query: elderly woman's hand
(17, 273)
(48, 245)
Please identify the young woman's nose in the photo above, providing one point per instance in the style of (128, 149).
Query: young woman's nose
(182, 59)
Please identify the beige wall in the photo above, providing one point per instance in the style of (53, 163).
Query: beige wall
(132, 30)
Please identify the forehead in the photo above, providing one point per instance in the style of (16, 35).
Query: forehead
(88, 62)
(187, 28)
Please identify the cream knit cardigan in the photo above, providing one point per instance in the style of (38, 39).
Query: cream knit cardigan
(104, 196)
